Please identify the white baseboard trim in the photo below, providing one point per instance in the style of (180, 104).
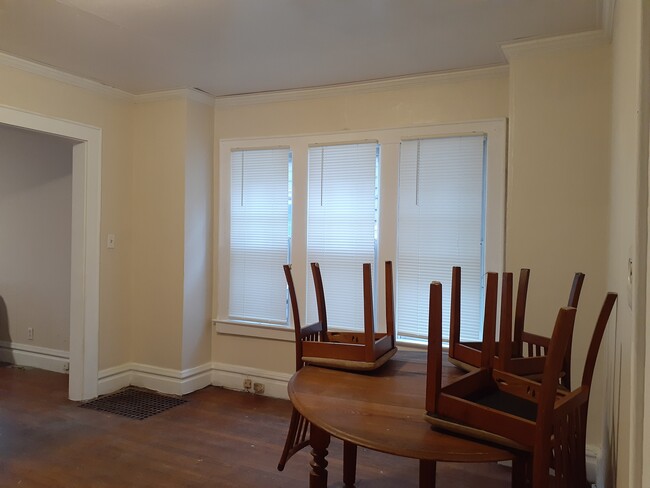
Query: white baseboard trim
(34, 356)
(232, 376)
(113, 379)
(170, 381)
(176, 382)
(593, 463)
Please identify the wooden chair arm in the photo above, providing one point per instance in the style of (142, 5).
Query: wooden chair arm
(535, 339)
(517, 385)
(566, 402)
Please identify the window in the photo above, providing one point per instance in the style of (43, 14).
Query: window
(440, 225)
(427, 198)
(341, 218)
(259, 228)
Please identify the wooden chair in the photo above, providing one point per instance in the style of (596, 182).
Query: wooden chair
(570, 429)
(572, 471)
(526, 351)
(544, 423)
(298, 434)
(361, 351)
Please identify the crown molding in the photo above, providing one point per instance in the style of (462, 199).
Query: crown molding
(255, 98)
(96, 87)
(363, 87)
(182, 93)
(527, 46)
(58, 75)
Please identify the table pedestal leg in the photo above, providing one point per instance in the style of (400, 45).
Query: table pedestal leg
(319, 441)
(427, 474)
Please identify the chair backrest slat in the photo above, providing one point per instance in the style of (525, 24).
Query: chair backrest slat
(574, 297)
(454, 312)
(489, 320)
(368, 312)
(576, 288)
(520, 311)
(294, 301)
(596, 338)
(320, 299)
(434, 354)
(390, 304)
(505, 325)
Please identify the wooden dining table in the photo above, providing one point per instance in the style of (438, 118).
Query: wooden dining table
(382, 410)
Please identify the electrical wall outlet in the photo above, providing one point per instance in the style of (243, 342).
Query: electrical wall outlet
(30, 333)
(258, 388)
(248, 384)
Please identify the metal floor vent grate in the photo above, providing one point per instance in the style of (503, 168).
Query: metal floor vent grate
(134, 403)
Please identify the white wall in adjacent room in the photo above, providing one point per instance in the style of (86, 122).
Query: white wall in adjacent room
(35, 237)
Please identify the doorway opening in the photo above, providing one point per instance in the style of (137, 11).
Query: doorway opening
(85, 243)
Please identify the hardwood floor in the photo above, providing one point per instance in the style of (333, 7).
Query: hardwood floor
(219, 438)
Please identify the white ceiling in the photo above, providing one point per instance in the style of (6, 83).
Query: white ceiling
(227, 47)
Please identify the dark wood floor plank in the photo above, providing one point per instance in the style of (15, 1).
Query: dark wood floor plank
(219, 438)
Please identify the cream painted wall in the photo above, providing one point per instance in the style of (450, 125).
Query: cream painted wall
(481, 95)
(36, 223)
(253, 352)
(158, 237)
(23, 90)
(558, 190)
(197, 304)
(622, 425)
(172, 220)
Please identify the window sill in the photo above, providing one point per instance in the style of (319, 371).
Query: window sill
(279, 333)
(259, 331)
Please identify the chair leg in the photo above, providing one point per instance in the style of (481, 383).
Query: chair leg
(520, 471)
(427, 474)
(296, 437)
(349, 464)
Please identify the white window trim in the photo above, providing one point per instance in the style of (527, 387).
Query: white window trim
(390, 140)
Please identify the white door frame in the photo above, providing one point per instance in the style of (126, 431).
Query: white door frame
(85, 248)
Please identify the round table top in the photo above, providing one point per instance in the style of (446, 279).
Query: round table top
(383, 410)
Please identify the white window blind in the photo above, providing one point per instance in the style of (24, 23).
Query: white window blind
(440, 225)
(259, 234)
(342, 213)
